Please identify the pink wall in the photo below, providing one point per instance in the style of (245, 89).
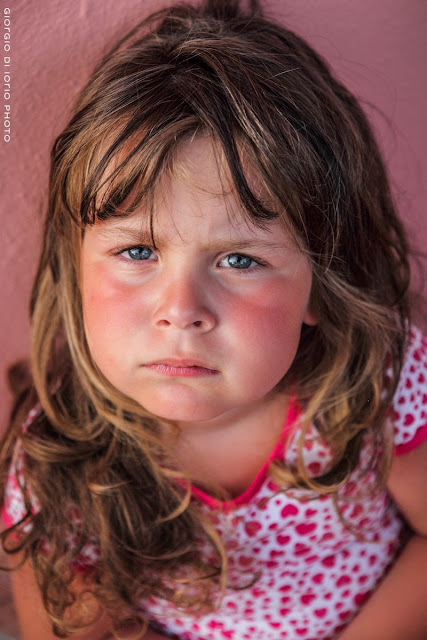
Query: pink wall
(378, 48)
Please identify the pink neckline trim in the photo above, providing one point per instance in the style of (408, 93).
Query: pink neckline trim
(417, 440)
(245, 497)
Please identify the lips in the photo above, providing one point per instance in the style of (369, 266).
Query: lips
(180, 363)
(181, 367)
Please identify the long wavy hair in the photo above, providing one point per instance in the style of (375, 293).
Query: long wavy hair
(271, 104)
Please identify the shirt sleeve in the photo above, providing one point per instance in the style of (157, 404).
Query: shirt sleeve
(13, 509)
(409, 409)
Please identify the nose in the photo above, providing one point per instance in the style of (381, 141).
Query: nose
(183, 304)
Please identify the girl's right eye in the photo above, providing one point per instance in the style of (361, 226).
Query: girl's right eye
(137, 253)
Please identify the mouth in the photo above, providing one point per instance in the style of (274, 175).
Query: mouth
(181, 367)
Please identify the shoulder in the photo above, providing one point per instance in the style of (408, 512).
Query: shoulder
(409, 408)
(408, 475)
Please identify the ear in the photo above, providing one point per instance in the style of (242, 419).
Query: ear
(310, 319)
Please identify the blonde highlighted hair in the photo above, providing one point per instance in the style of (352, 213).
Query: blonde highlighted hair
(271, 104)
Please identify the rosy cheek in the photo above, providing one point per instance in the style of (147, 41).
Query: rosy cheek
(270, 304)
(106, 302)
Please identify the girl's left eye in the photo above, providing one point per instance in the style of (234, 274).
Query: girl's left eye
(239, 261)
(137, 253)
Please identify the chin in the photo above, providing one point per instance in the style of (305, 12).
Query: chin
(182, 415)
(176, 411)
(180, 403)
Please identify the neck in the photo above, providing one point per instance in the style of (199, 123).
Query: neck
(228, 452)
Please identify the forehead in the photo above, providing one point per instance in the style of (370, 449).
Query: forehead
(195, 198)
(199, 186)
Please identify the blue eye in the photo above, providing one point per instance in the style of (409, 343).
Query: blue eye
(138, 253)
(240, 261)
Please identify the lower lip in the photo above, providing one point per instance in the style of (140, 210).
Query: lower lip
(181, 372)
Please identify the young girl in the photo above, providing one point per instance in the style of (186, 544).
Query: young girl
(224, 436)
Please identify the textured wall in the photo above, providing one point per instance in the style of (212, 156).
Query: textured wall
(378, 48)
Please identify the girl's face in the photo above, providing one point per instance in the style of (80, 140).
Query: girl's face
(203, 328)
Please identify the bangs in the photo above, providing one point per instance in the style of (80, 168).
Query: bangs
(126, 169)
(126, 172)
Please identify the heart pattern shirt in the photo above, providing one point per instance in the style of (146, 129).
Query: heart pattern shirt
(299, 565)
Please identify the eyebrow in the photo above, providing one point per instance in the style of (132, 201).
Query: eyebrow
(142, 236)
(219, 244)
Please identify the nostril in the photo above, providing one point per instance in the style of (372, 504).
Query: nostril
(164, 323)
(197, 323)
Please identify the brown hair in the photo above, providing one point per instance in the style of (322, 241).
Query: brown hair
(272, 104)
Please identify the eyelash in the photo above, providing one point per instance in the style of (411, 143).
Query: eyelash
(259, 263)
